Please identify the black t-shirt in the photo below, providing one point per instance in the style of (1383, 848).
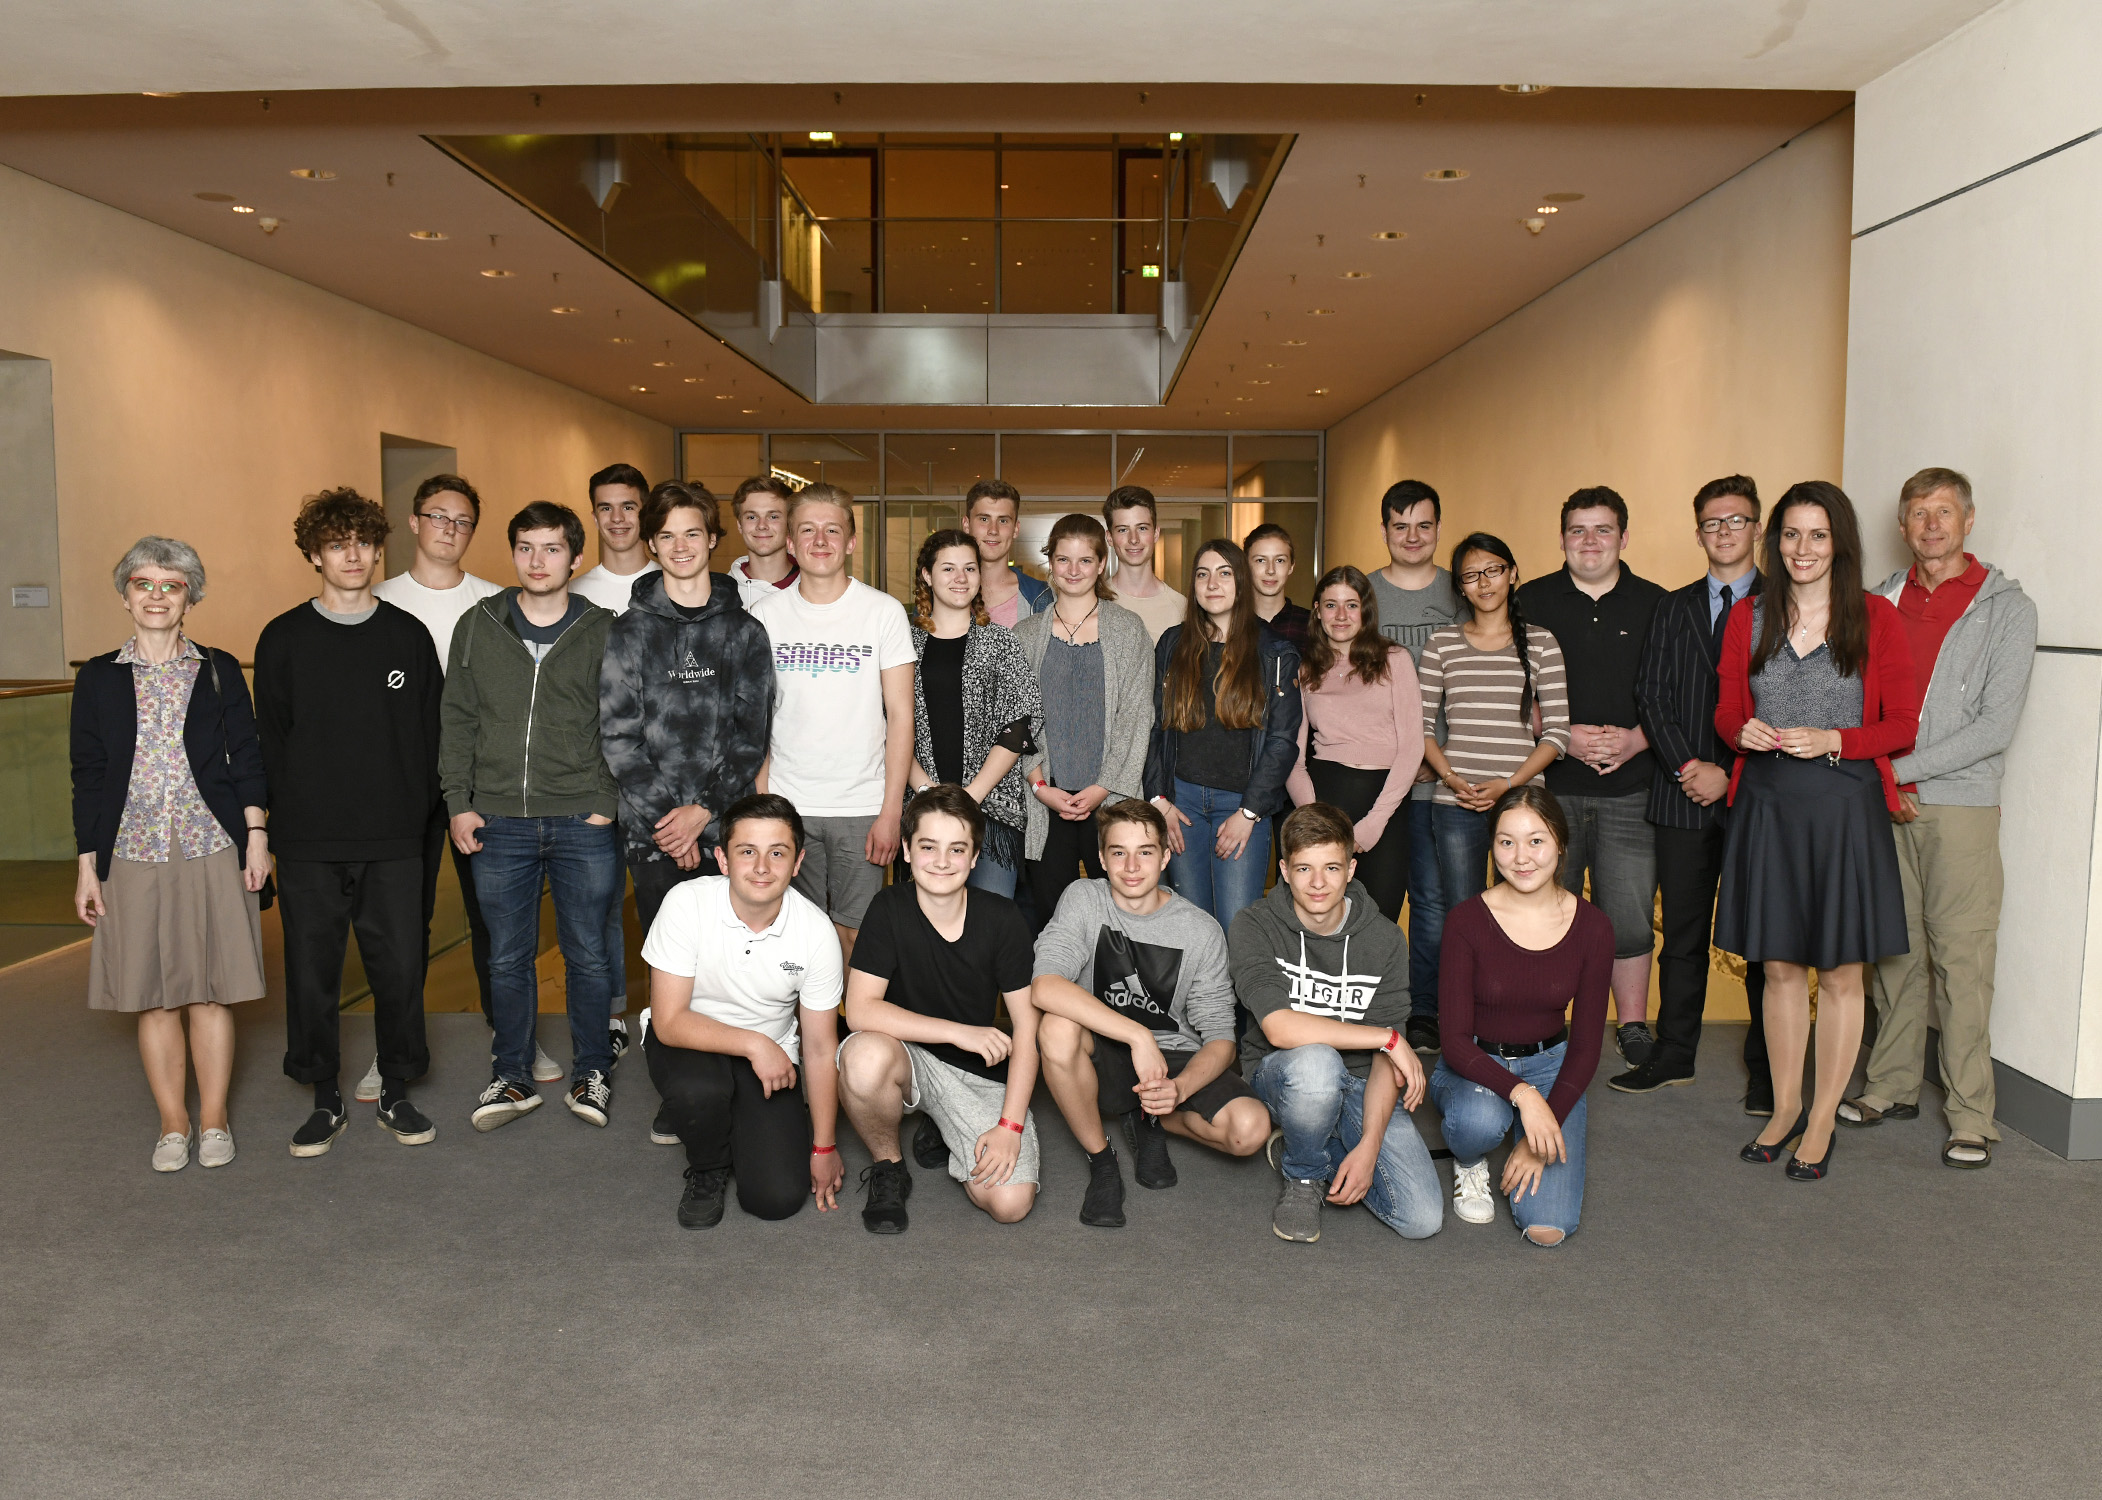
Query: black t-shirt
(941, 685)
(1215, 756)
(960, 981)
(547, 635)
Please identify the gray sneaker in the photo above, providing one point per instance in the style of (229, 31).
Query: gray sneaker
(1297, 1216)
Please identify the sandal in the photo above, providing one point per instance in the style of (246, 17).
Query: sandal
(1981, 1153)
(1860, 1114)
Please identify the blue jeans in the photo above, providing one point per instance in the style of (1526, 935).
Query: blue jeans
(581, 862)
(1477, 1120)
(1219, 886)
(1427, 907)
(990, 875)
(1320, 1106)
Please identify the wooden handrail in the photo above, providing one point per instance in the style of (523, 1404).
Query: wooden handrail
(31, 688)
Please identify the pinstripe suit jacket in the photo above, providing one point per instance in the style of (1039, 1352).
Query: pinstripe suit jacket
(1676, 692)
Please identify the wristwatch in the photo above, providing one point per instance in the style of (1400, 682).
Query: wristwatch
(1251, 817)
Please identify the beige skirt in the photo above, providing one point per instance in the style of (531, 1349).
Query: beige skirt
(175, 934)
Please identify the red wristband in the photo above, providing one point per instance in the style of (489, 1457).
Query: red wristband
(1393, 1040)
(823, 1150)
(1010, 1125)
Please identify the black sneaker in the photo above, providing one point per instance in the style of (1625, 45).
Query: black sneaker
(662, 1132)
(502, 1102)
(1637, 1046)
(1421, 1033)
(701, 1205)
(888, 1184)
(1650, 1077)
(410, 1125)
(319, 1133)
(1759, 1098)
(928, 1147)
(1103, 1207)
(1149, 1151)
(591, 1098)
(617, 1039)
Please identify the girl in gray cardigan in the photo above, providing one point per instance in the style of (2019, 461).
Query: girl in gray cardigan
(1094, 667)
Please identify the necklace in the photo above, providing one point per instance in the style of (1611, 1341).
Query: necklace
(1073, 630)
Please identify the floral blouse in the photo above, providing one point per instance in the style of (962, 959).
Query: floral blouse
(163, 811)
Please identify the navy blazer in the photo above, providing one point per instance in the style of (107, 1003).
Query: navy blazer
(1276, 743)
(218, 732)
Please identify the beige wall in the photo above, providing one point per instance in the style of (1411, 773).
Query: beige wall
(199, 395)
(1713, 343)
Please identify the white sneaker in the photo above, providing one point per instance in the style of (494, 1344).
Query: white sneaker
(171, 1153)
(545, 1068)
(1472, 1202)
(369, 1086)
(215, 1148)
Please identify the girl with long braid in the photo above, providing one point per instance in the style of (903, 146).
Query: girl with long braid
(1505, 710)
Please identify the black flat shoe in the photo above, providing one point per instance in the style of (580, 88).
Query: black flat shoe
(1759, 1154)
(1799, 1170)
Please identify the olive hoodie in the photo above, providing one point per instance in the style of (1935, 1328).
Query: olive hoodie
(519, 738)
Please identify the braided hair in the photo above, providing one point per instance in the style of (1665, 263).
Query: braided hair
(1482, 541)
(923, 596)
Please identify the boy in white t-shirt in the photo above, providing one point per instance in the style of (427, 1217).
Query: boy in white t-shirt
(842, 737)
(745, 981)
(437, 591)
(1132, 518)
(618, 493)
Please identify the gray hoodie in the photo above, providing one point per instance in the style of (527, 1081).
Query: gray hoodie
(1974, 698)
(1358, 974)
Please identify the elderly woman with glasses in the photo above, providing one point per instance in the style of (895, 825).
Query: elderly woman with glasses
(168, 803)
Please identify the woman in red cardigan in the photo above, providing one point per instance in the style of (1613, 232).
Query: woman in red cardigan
(1817, 694)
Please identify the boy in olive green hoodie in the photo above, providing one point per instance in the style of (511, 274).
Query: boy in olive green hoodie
(530, 798)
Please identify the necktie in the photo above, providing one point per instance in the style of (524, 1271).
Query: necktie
(1722, 618)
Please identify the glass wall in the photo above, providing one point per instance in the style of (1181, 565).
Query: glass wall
(908, 485)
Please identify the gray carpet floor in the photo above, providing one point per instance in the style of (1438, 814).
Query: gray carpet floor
(518, 1315)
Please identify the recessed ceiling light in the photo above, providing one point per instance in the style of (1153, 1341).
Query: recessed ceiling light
(1527, 89)
(564, 309)
(1562, 198)
(724, 396)
(162, 93)
(1391, 234)
(1444, 174)
(821, 135)
(661, 364)
(1258, 382)
(1547, 208)
(1320, 312)
(1244, 398)
(751, 411)
(242, 208)
(426, 234)
(640, 389)
(1319, 390)
(314, 174)
(1295, 343)
(693, 380)
(1273, 367)
(213, 197)
(1356, 275)
(620, 338)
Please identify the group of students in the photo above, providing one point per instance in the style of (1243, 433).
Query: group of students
(1085, 786)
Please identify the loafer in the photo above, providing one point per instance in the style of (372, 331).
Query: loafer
(171, 1153)
(215, 1148)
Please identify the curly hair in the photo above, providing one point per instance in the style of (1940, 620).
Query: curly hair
(340, 515)
(923, 596)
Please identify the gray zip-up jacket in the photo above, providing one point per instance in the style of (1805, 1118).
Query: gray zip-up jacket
(519, 738)
(1127, 684)
(1974, 699)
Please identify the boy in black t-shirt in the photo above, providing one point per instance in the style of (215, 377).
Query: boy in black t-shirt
(932, 961)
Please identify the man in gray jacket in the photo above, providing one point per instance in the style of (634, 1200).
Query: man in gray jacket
(1137, 1017)
(1973, 637)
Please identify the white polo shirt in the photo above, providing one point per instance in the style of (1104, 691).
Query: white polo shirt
(750, 980)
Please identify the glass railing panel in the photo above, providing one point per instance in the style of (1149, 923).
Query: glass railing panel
(1058, 267)
(938, 266)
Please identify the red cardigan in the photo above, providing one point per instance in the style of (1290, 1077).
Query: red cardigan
(1890, 693)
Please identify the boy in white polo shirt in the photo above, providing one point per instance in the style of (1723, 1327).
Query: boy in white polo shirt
(743, 972)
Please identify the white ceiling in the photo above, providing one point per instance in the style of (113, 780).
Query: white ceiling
(1356, 168)
(118, 46)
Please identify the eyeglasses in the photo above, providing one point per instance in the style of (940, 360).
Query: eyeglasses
(444, 522)
(1484, 575)
(1716, 524)
(149, 586)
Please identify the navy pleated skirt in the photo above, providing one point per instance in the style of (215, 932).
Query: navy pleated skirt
(1810, 865)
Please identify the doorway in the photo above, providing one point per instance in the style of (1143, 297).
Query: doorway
(404, 464)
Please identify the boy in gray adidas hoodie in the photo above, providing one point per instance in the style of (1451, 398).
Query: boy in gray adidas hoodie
(1137, 1016)
(1973, 637)
(1325, 977)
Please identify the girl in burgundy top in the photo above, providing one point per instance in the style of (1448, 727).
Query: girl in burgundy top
(1513, 960)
